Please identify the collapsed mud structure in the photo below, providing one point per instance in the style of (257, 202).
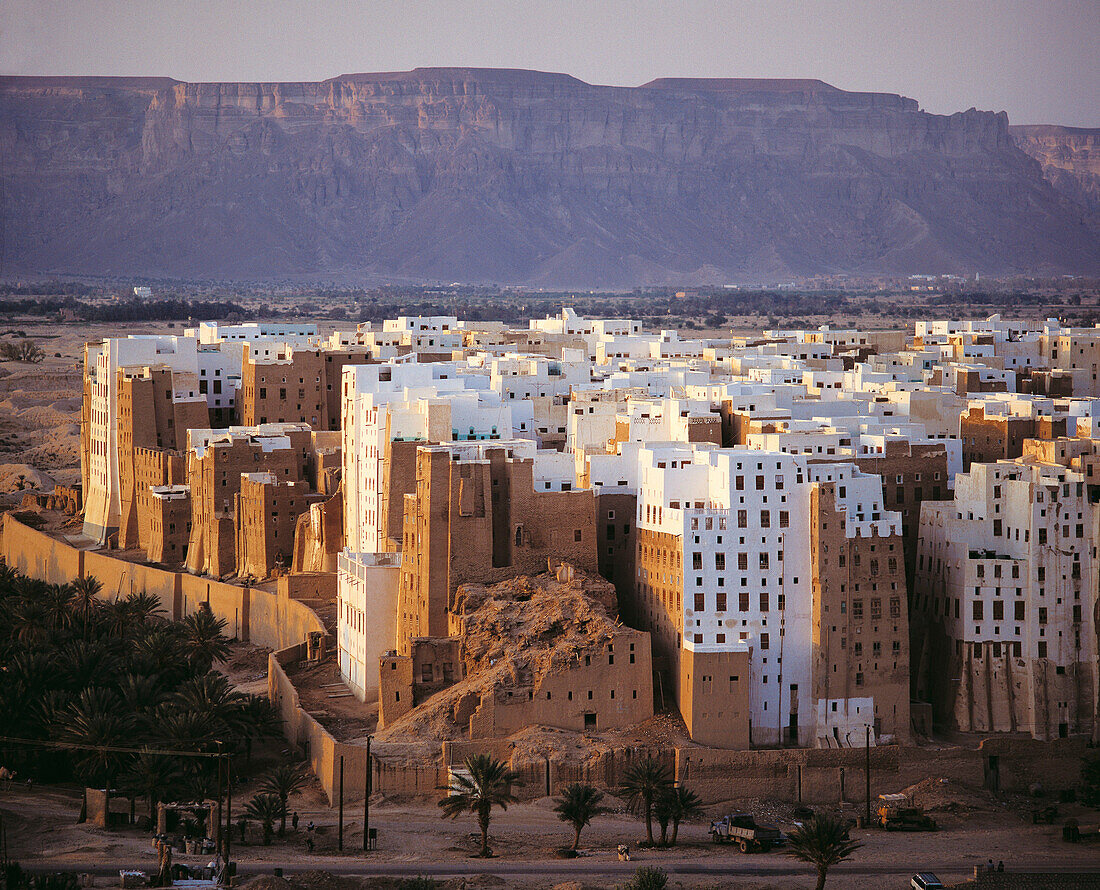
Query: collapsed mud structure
(544, 650)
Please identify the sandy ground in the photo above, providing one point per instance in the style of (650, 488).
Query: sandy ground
(41, 828)
(40, 404)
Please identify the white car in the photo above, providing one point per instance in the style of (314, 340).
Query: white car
(926, 881)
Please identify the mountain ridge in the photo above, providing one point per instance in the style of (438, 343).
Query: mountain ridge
(519, 177)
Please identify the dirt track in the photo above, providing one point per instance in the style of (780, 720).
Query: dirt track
(41, 829)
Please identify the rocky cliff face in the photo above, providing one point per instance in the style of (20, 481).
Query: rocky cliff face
(516, 176)
(1070, 158)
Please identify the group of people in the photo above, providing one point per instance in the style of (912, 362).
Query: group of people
(1000, 866)
(310, 828)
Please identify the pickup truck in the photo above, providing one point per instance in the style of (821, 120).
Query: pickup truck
(741, 829)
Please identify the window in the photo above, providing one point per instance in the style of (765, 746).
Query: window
(700, 602)
(764, 601)
(763, 561)
(765, 519)
(742, 518)
(743, 601)
(743, 561)
(895, 607)
(764, 641)
(1019, 611)
(721, 607)
(876, 609)
(978, 610)
(720, 562)
(697, 561)
(759, 483)
(857, 610)
(784, 519)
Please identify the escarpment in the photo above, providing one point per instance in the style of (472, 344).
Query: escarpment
(502, 176)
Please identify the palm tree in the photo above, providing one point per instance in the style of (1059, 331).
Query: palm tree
(211, 692)
(641, 785)
(84, 593)
(159, 651)
(57, 602)
(577, 805)
(140, 693)
(256, 718)
(95, 724)
(488, 784)
(264, 808)
(203, 640)
(149, 775)
(29, 622)
(662, 812)
(143, 606)
(115, 618)
(186, 729)
(683, 803)
(286, 779)
(80, 664)
(8, 579)
(822, 840)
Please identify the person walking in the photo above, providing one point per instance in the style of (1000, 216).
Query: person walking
(294, 820)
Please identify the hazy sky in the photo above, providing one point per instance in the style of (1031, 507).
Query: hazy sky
(1035, 59)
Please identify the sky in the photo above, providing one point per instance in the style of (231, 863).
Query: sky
(1039, 60)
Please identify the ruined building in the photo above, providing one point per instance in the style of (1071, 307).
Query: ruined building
(542, 650)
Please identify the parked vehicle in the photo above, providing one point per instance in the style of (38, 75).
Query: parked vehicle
(926, 881)
(897, 813)
(1074, 832)
(741, 829)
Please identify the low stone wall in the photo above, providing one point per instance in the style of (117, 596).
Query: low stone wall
(391, 774)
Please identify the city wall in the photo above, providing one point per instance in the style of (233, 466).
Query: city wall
(812, 776)
(257, 616)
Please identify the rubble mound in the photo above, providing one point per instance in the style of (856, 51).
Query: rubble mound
(513, 634)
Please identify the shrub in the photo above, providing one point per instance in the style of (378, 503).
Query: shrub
(649, 878)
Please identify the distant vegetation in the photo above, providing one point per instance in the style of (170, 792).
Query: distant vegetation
(21, 350)
(656, 307)
(134, 309)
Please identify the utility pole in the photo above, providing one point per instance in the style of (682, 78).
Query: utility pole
(221, 766)
(867, 749)
(228, 808)
(340, 827)
(366, 800)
